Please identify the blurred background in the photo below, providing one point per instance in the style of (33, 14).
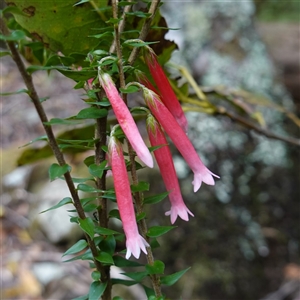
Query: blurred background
(243, 243)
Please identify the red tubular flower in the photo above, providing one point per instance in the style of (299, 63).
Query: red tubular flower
(167, 94)
(134, 241)
(125, 119)
(165, 162)
(142, 78)
(180, 139)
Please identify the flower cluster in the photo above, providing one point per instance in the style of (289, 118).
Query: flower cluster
(164, 115)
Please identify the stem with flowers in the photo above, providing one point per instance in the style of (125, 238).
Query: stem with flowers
(107, 73)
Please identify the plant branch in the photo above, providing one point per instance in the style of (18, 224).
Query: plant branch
(121, 26)
(265, 132)
(145, 30)
(48, 129)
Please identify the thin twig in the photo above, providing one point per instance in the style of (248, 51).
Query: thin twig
(265, 132)
(121, 26)
(48, 129)
(145, 30)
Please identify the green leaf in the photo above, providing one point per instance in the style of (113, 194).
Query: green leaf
(105, 258)
(97, 170)
(15, 93)
(57, 121)
(97, 288)
(62, 202)
(40, 138)
(139, 14)
(149, 292)
(125, 3)
(173, 278)
(130, 89)
(16, 35)
(114, 213)
(137, 276)
(87, 188)
(140, 187)
(158, 267)
(156, 231)
(55, 171)
(117, 298)
(92, 113)
(140, 216)
(79, 246)
(105, 231)
(156, 198)
(108, 244)
(122, 281)
(96, 275)
(88, 226)
(121, 262)
(61, 25)
(138, 44)
(90, 207)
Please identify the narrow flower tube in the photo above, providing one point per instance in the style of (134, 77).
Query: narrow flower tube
(134, 241)
(165, 163)
(180, 139)
(125, 119)
(142, 78)
(167, 94)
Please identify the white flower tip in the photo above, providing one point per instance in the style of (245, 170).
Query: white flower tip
(206, 177)
(135, 245)
(182, 211)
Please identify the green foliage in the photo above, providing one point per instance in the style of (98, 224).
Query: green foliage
(62, 202)
(79, 246)
(158, 267)
(156, 198)
(88, 226)
(156, 231)
(96, 290)
(173, 278)
(60, 25)
(56, 171)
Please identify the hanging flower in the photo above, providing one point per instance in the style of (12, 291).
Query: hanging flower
(167, 94)
(134, 241)
(125, 119)
(180, 139)
(165, 162)
(142, 78)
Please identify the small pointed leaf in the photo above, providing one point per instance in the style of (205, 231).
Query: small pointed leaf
(156, 231)
(55, 171)
(173, 278)
(105, 258)
(79, 246)
(62, 202)
(92, 113)
(158, 267)
(97, 288)
(156, 198)
(88, 226)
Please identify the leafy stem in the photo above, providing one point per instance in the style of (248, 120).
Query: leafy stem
(51, 138)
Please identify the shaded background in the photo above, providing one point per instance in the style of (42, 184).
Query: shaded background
(243, 242)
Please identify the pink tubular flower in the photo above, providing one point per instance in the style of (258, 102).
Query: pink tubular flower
(165, 162)
(180, 139)
(125, 119)
(134, 241)
(142, 78)
(167, 94)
